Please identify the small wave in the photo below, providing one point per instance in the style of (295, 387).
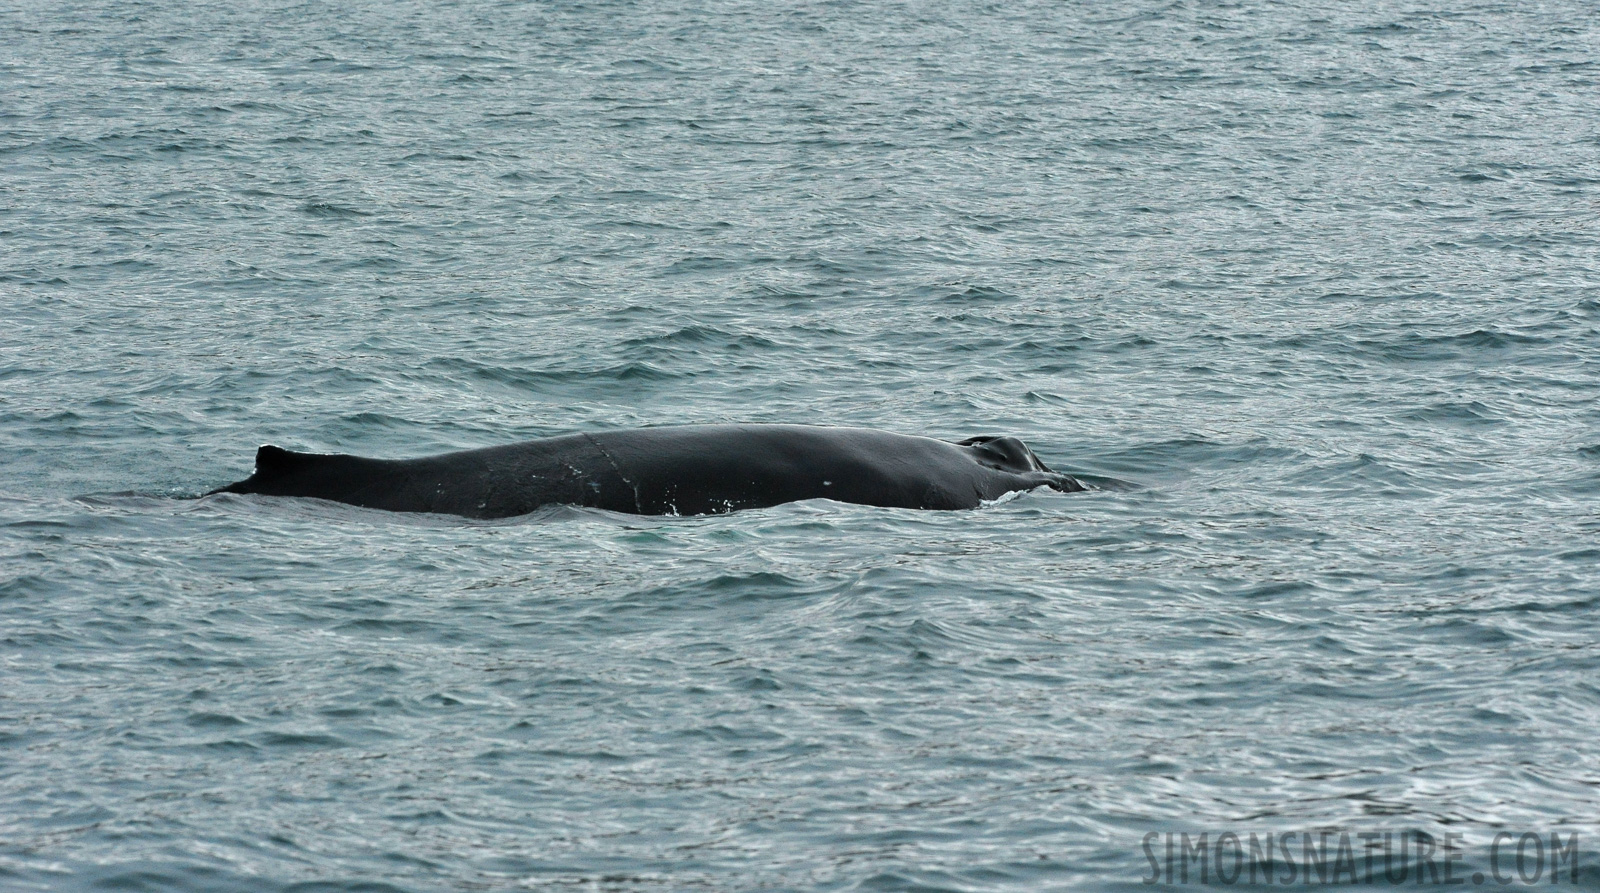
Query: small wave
(1362, 472)
(540, 379)
(1194, 452)
(1416, 346)
(329, 209)
(1454, 412)
(300, 739)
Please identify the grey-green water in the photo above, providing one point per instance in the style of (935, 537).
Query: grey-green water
(1321, 280)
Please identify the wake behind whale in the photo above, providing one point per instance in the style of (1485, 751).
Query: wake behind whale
(683, 470)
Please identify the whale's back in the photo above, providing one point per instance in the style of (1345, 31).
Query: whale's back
(690, 470)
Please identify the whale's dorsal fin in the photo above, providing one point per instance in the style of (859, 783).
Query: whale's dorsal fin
(272, 463)
(274, 459)
(281, 472)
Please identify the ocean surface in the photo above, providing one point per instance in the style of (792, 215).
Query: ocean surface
(1320, 282)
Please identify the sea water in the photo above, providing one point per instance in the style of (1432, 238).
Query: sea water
(1319, 282)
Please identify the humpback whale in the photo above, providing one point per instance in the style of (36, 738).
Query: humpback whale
(673, 470)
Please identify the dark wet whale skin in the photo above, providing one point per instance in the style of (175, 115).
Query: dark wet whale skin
(684, 470)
